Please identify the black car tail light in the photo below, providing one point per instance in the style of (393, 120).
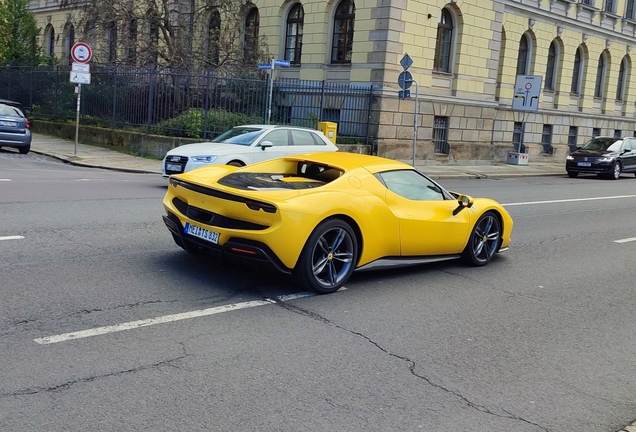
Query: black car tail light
(257, 205)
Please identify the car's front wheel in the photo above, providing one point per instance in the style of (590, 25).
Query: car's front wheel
(236, 163)
(484, 240)
(572, 174)
(328, 258)
(616, 171)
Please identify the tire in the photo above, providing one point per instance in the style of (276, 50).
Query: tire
(25, 149)
(572, 174)
(328, 258)
(484, 240)
(236, 163)
(616, 171)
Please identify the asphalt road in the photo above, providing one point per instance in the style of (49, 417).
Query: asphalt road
(542, 339)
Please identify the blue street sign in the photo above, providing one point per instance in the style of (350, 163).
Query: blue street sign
(405, 80)
(264, 66)
(406, 61)
(404, 94)
(283, 63)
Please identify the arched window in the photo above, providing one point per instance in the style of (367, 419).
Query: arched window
(214, 34)
(250, 46)
(294, 34)
(524, 56)
(623, 73)
(49, 46)
(342, 41)
(111, 41)
(577, 71)
(600, 76)
(131, 54)
(69, 41)
(551, 67)
(443, 47)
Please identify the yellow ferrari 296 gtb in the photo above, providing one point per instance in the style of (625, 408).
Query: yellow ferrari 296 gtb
(320, 216)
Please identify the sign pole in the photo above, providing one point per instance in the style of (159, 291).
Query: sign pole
(415, 120)
(271, 91)
(77, 118)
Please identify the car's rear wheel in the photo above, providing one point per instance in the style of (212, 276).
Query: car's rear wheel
(616, 171)
(25, 149)
(484, 240)
(328, 258)
(572, 174)
(236, 163)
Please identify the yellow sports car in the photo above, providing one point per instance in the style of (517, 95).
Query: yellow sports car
(320, 216)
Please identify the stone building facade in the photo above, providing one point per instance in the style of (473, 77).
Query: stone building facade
(466, 56)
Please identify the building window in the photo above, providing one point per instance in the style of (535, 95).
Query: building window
(573, 135)
(342, 42)
(609, 6)
(546, 139)
(111, 41)
(577, 72)
(588, 2)
(250, 43)
(550, 70)
(440, 135)
(596, 132)
(69, 41)
(629, 10)
(294, 34)
(131, 54)
(622, 81)
(214, 33)
(618, 133)
(517, 137)
(525, 54)
(50, 41)
(443, 47)
(600, 77)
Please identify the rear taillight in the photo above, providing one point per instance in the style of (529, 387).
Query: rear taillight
(28, 124)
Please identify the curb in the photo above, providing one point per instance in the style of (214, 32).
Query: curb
(88, 165)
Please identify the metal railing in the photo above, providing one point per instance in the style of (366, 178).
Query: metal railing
(188, 105)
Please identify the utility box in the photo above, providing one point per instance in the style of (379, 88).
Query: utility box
(515, 158)
(330, 129)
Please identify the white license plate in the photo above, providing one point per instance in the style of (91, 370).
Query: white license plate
(202, 233)
(173, 167)
(8, 123)
(585, 164)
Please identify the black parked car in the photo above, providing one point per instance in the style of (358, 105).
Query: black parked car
(603, 156)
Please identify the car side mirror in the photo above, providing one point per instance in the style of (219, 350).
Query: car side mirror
(266, 144)
(463, 201)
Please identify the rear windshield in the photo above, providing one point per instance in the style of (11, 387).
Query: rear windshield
(9, 110)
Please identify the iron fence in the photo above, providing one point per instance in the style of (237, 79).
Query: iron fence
(188, 105)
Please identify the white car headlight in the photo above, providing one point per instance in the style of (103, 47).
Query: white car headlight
(606, 159)
(570, 157)
(206, 159)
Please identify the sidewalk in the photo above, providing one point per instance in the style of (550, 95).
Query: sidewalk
(99, 157)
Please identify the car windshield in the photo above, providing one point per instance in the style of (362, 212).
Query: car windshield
(241, 136)
(9, 110)
(603, 144)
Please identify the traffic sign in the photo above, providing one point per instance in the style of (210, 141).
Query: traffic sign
(80, 78)
(527, 91)
(81, 67)
(81, 52)
(405, 80)
(406, 61)
(264, 65)
(404, 94)
(282, 63)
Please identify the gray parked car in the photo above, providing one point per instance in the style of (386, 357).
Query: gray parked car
(14, 127)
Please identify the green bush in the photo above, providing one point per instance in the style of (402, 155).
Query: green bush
(195, 123)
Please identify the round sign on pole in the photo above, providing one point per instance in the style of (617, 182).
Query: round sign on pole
(81, 52)
(405, 80)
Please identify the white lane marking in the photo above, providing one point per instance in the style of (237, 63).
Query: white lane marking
(627, 240)
(568, 200)
(167, 318)
(5, 180)
(11, 238)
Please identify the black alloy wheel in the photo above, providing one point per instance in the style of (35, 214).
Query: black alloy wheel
(328, 258)
(484, 240)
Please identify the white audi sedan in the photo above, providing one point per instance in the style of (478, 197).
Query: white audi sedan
(244, 145)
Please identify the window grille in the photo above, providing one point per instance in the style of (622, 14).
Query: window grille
(517, 137)
(440, 135)
(618, 133)
(546, 139)
(573, 135)
(596, 132)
